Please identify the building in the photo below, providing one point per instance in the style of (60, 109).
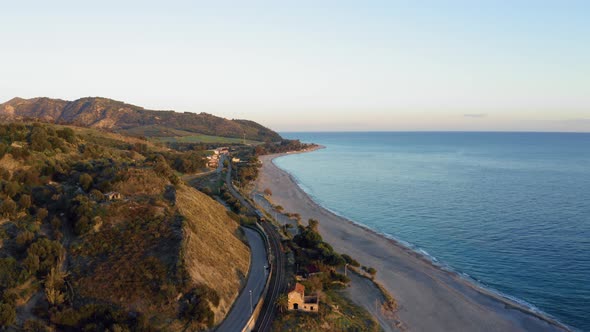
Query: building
(113, 195)
(213, 161)
(298, 300)
(222, 150)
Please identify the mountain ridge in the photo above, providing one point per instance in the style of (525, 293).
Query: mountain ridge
(105, 113)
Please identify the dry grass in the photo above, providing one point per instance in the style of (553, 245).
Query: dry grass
(10, 164)
(141, 182)
(213, 253)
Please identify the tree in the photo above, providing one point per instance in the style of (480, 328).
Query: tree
(267, 192)
(54, 282)
(24, 202)
(371, 271)
(49, 253)
(39, 140)
(85, 181)
(161, 167)
(8, 207)
(42, 214)
(31, 263)
(11, 188)
(282, 303)
(67, 134)
(308, 239)
(313, 224)
(7, 315)
(96, 195)
(350, 261)
(25, 237)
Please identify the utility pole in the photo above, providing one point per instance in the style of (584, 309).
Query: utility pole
(345, 268)
(251, 307)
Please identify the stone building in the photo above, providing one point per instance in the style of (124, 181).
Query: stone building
(299, 301)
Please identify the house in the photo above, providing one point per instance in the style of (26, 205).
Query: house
(113, 195)
(213, 161)
(298, 300)
(222, 150)
(235, 160)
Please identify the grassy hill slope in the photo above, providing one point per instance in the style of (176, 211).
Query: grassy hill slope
(75, 256)
(209, 240)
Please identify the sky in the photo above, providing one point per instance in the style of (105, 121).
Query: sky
(312, 65)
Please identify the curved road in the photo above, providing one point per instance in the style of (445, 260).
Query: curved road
(278, 280)
(241, 311)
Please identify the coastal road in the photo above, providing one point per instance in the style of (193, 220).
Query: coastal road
(240, 312)
(278, 280)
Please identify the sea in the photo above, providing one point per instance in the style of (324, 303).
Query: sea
(508, 211)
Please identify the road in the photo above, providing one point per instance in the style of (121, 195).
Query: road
(240, 313)
(278, 279)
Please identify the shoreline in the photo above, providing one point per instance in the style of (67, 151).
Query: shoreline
(474, 306)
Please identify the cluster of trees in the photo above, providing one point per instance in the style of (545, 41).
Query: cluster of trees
(247, 171)
(285, 145)
(231, 201)
(166, 164)
(315, 248)
(20, 140)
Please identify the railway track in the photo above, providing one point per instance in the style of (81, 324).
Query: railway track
(278, 278)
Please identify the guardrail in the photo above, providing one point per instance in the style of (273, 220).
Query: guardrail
(256, 312)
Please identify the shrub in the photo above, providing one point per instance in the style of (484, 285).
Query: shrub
(8, 272)
(33, 325)
(39, 140)
(66, 134)
(93, 317)
(42, 214)
(370, 270)
(195, 306)
(48, 251)
(24, 238)
(24, 202)
(8, 207)
(350, 261)
(7, 315)
(85, 181)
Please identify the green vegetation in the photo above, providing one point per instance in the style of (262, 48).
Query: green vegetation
(316, 262)
(203, 139)
(337, 313)
(92, 237)
(285, 145)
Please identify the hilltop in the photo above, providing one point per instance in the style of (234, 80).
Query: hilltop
(98, 232)
(96, 112)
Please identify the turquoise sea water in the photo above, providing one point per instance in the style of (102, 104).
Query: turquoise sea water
(509, 210)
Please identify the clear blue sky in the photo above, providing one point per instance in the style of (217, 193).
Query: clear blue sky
(312, 65)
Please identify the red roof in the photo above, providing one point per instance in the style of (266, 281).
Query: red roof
(299, 288)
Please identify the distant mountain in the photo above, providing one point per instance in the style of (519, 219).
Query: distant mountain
(106, 113)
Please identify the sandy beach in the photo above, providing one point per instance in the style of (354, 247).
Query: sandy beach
(429, 298)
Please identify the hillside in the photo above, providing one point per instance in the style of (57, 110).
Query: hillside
(97, 232)
(114, 115)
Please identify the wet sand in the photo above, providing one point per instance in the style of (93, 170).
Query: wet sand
(429, 298)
